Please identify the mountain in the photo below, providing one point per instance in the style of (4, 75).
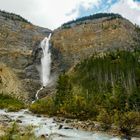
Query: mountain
(71, 43)
(77, 40)
(95, 70)
(18, 38)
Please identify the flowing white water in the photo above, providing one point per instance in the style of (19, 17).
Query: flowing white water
(36, 96)
(45, 64)
(50, 128)
(45, 61)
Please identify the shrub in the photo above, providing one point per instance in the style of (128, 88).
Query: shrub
(126, 121)
(43, 106)
(105, 118)
(10, 103)
(16, 132)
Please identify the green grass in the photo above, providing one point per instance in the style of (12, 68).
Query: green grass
(10, 103)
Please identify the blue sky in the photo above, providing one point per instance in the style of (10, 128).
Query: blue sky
(53, 13)
(102, 7)
(106, 6)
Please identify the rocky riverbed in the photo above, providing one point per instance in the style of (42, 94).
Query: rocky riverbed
(52, 128)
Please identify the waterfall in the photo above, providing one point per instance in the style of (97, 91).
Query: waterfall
(45, 64)
(36, 95)
(45, 61)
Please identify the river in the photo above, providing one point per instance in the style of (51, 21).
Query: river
(50, 128)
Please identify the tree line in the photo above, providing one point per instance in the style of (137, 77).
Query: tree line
(13, 16)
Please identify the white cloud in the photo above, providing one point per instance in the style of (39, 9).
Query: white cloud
(47, 13)
(53, 13)
(89, 3)
(129, 9)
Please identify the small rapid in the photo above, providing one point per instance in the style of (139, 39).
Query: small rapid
(51, 129)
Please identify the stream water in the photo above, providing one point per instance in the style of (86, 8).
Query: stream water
(50, 128)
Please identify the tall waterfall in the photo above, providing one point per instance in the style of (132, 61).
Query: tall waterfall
(45, 61)
(45, 64)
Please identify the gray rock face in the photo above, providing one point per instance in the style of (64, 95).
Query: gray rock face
(5, 118)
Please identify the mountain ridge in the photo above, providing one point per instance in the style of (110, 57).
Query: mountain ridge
(78, 21)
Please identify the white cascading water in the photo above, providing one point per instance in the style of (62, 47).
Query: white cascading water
(45, 64)
(48, 127)
(45, 61)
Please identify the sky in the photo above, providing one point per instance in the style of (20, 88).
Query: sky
(53, 13)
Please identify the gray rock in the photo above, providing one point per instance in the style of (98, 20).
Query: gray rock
(5, 118)
(18, 121)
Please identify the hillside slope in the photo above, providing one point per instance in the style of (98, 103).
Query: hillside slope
(77, 40)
